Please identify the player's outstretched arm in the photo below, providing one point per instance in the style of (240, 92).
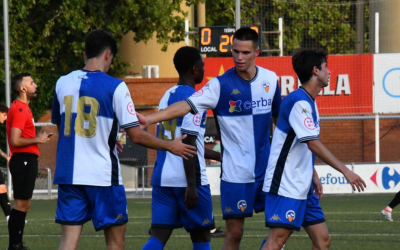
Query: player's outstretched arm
(212, 155)
(177, 109)
(146, 139)
(189, 165)
(326, 156)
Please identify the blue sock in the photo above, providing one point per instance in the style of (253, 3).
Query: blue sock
(262, 244)
(153, 244)
(202, 246)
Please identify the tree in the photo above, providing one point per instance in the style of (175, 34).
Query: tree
(46, 36)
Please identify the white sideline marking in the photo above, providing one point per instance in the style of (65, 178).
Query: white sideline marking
(187, 235)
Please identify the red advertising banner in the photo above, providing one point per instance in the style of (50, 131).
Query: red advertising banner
(349, 90)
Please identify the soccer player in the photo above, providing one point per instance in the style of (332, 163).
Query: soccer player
(4, 202)
(24, 147)
(290, 201)
(89, 106)
(181, 192)
(243, 99)
(387, 212)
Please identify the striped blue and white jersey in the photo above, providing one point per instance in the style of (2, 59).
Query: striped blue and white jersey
(169, 169)
(291, 163)
(90, 107)
(243, 111)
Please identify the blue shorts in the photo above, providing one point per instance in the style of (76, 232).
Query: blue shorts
(238, 200)
(168, 209)
(78, 204)
(284, 212)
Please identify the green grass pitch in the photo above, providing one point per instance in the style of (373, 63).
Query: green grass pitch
(354, 222)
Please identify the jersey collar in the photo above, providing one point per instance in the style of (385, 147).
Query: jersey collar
(307, 93)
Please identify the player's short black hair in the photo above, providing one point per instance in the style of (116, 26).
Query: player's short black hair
(185, 58)
(3, 108)
(17, 80)
(97, 41)
(247, 34)
(304, 61)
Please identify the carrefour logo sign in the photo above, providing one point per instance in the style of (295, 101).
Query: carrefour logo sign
(386, 178)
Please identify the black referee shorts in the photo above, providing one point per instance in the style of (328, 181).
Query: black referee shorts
(24, 169)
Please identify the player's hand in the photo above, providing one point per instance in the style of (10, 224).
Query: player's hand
(355, 181)
(180, 149)
(8, 158)
(142, 120)
(43, 138)
(120, 147)
(190, 197)
(318, 188)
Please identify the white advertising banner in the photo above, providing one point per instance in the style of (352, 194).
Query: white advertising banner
(380, 178)
(213, 175)
(333, 181)
(387, 79)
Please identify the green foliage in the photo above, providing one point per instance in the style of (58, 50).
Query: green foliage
(46, 37)
(324, 24)
(222, 12)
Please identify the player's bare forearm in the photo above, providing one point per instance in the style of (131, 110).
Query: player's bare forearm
(212, 155)
(146, 139)
(190, 172)
(318, 189)
(326, 156)
(275, 120)
(177, 109)
(17, 140)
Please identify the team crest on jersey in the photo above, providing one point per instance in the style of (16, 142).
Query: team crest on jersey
(290, 215)
(275, 217)
(131, 108)
(235, 106)
(309, 124)
(228, 210)
(206, 222)
(119, 217)
(265, 85)
(197, 119)
(235, 92)
(242, 205)
(198, 93)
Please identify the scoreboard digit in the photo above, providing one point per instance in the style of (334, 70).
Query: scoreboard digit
(218, 39)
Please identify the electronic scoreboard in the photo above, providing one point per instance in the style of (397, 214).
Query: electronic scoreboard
(218, 39)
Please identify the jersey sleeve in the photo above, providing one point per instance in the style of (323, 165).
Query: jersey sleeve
(124, 107)
(55, 112)
(276, 103)
(191, 124)
(205, 98)
(20, 118)
(302, 122)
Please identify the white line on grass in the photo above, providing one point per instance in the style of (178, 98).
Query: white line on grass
(187, 235)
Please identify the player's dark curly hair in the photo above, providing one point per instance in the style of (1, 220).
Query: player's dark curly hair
(3, 108)
(247, 34)
(304, 61)
(16, 82)
(97, 41)
(185, 58)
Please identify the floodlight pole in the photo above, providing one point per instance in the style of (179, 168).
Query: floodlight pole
(377, 127)
(237, 15)
(7, 76)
